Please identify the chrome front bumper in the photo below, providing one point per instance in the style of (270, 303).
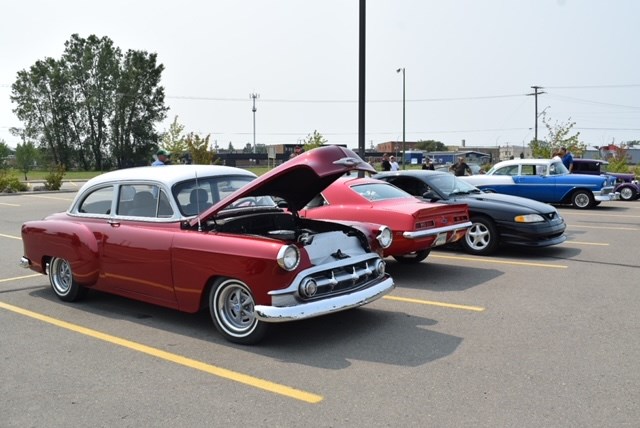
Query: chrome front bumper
(613, 196)
(325, 306)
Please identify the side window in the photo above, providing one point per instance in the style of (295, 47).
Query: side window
(528, 170)
(507, 170)
(143, 200)
(97, 202)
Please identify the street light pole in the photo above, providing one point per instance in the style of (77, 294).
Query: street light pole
(254, 109)
(404, 159)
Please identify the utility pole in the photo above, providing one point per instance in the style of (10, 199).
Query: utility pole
(536, 92)
(362, 42)
(254, 96)
(404, 160)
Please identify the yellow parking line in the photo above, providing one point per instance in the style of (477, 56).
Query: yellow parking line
(587, 243)
(174, 358)
(504, 262)
(16, 278)
(10, 236)
(605, 215)
(428, 302)
(9, 205)
(602, 227)
(49, 197)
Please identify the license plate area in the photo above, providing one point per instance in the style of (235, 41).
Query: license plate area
(440, 240)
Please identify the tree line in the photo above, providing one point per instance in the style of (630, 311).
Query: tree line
(95, 108)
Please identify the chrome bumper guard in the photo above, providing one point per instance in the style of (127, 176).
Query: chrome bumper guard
(325, 306)
(25, 262)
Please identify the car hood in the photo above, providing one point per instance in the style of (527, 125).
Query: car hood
(507, 202)
(297, 180)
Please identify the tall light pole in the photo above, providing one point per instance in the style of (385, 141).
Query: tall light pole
(254, 109)
(404, 159)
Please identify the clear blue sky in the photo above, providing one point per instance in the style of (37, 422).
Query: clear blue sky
(469, 65)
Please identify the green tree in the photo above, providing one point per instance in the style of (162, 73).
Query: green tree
(5, 151)
(199, 149)
(559, 135)
(27, 156)
(173, 141)
(91, 104)
(314, 140)
(431, 146)
(619, 161)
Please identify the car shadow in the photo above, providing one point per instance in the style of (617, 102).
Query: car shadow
(331, 341)
(432, 275)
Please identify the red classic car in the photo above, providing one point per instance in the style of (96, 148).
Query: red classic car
(417, 226)
(194, 236)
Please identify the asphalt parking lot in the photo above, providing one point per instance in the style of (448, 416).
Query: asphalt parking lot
(535, 338)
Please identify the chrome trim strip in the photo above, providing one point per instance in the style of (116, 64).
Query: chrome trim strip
(431, 232)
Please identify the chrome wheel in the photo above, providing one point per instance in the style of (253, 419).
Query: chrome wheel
(627, 194)
(481, 238)
(232, 309)
(61, 280)
(582, 199)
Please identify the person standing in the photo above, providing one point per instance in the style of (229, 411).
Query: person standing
(567, 158)
(162, 158)
(428, 165)
(460, 168)
(386, 165)
(394, 164)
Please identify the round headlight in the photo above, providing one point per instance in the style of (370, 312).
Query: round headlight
(385, 237)
(308, 288)
(288, 257)
(528, 218)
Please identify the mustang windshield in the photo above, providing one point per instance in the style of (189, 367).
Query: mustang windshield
(449, 185)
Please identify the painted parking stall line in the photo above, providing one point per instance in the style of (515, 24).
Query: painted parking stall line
(497, 261)
(248, 380)
(432, 303)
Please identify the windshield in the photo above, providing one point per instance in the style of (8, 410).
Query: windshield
(380, 191)
(557, 168)
(195, 196)
(449, 184)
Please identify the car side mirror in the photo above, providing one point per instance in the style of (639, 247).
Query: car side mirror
(430, 195)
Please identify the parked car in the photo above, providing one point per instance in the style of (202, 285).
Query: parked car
(546, 180)
(626, 183)
(193, 236)
(417, 226)
(495, 219)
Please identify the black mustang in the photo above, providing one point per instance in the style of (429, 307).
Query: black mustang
(495, 218)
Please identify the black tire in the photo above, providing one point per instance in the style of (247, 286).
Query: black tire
(628, 194)
(582, 199)
(411, 258)
(481, 238)
(232, 310)
(62, 282)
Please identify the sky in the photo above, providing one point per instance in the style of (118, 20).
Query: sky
(469, 65)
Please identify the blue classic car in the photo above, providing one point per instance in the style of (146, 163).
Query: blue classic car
(546, 180)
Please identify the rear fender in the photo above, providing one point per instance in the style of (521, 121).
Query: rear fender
(43, 240)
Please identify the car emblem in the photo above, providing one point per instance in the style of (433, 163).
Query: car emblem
(444, 220)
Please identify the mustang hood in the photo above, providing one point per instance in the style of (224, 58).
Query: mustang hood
(297, 180)
(514, 202)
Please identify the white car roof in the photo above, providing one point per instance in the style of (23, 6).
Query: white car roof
(525, 161)
(168, 174)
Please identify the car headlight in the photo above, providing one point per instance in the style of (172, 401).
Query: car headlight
(528, 218)
(288, 257)
(385, 237)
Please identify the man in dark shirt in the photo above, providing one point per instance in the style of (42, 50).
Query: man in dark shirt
(386, 165)
(460, 168)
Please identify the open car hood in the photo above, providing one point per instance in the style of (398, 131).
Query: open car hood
(297, 180)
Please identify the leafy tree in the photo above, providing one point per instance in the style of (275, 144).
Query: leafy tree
(173, 141)
(314, 140)
(431, 146)
(230, 147)
(91, 104)
(619, 161)
(199, 149)
(5, 151)
(559, 135)
(26, 157)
